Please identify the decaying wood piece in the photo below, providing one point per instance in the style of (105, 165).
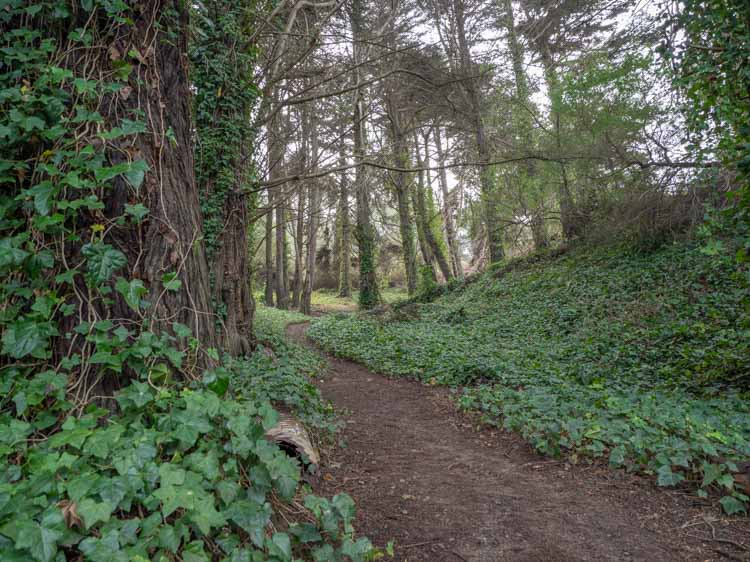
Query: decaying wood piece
(291, 434)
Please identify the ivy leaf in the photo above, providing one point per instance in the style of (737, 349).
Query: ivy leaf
(280, 546)
(358, 550)
(171, 282)
(306, 532)
(32, 123)
(94, 512)
(194, 552)
(617, 456)
(10, 254)
(39, 540)
(252, 518)
(137, 211)
(105, 174)
(25, 337)
(710, 473)
(344, 504)
(206, 517)
(102, 260)
(132, 291)
(137, 173)
(732, 505)
(42, 194)
(138, 394)
(667, 477)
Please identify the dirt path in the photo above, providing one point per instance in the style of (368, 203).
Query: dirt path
(421, 475)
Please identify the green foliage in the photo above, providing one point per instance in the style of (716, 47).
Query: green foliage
(643, 360)
(369, 293)
(170, 470)
(709, 55)
(281, 371)
(428, 286)
(222, 72)
(177, 474)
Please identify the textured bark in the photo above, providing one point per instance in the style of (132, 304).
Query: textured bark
(369, 293)
(282, 296)
(170, 239)
(232, 277)
(299, 228)
(401, 187)
(222, 170)
(567, 207)
(424, 219)
(276, 157)
(345, 240)
(314, 220)
(449, 208)
(269, 251)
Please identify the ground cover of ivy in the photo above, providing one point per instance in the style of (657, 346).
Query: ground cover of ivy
(640, 359)
(281, 371)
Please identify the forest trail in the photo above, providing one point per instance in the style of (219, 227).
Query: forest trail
(422, 476)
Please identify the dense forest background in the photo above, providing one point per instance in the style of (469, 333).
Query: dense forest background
(162, 161)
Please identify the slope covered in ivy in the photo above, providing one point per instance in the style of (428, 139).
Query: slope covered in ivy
(641, 359)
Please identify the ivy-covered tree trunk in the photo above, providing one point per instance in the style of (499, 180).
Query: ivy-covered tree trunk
(100, 212)
(424, 220)
(570, 228)
(401, 187)
(166, 251)
(222, 76)
(369, 293)
(449, 207)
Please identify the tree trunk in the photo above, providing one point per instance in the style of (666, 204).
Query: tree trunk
(313, 221)
(282, 297)
(486, 179)
(449, 207)
(299, 234)
(401, 187)
(269, 250)
(345, 243)
(423, 217)
(167, 246)
(224, 136)
(369, 293)
(567, 207)
(523, 123)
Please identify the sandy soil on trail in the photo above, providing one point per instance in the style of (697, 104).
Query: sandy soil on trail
(422, 475)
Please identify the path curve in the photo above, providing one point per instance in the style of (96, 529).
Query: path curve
(421, 475)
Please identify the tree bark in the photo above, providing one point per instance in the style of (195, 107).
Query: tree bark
(168, 243)
(282, 296)
(449, 206)
(369, 293)
(401, 187)
(269, 250)
(313, 221)
(222, 169)
(345, 241)
(523, 123)
(424, 218)
(299, 234)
